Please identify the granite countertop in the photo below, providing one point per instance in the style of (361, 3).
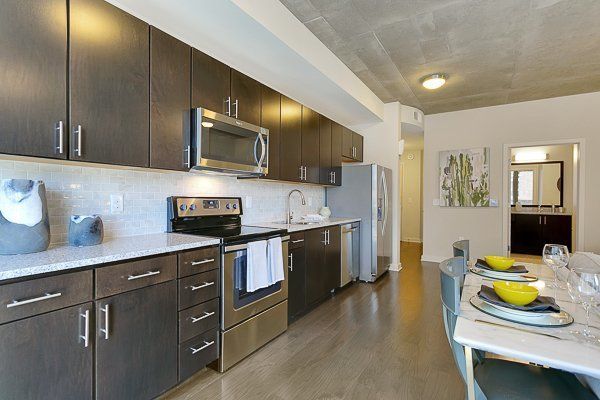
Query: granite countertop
(64, 257)
(539, 213)
(305, 227)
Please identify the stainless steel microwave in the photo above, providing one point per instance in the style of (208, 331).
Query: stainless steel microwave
(225, 145)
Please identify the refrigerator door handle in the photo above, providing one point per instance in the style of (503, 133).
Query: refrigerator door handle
(385, 203)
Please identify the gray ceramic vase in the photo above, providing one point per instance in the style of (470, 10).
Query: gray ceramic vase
(85, 230)
(24, 225)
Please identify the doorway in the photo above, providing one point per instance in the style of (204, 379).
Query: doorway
(542, 197)
(411, 200)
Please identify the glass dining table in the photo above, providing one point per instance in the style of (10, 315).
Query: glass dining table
(556, 347)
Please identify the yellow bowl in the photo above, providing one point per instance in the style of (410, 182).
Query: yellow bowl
(499, 263)
(516, 293)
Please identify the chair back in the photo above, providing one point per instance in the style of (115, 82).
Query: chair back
(461, 249)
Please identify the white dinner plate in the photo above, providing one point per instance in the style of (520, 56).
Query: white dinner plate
(503, 276)
(527, 314)
(545, 320)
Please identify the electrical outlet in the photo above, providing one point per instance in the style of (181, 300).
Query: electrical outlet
(116, 204)
(248, 202)
(436, 202)
(493, 203)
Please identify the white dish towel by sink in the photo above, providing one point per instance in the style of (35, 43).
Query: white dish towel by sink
(257, 271)
(275, 260)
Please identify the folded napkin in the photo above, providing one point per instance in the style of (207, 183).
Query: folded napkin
(542, 304)
(515, 269)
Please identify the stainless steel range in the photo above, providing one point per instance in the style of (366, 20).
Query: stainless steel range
(249, 320)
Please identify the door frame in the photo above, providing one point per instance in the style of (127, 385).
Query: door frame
(578, 211)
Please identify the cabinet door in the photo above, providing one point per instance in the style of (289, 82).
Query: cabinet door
(336, 153)
(290, 148)
(136, 343)
(316, 287)
(357, 142)
(557, 229)
(170, 68)
(526, 234)
(310, 144)
(347, 145)
(297, 282)
(110, 78)
(325, 171)
(210, 83)
(33, 78)
(45, 357)
(271, 119)
(245, 98)
(333, 257)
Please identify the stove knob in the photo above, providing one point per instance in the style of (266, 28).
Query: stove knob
(192, 207)
(183, 207)
(228, 206)
(234, 206)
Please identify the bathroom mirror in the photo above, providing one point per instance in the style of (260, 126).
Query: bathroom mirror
(537, 184)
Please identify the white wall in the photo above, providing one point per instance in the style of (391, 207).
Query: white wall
(411, 196)
(78, 188)
(381, 147)
(535, 121)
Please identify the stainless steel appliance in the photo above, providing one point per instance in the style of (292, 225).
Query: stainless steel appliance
(249, 320)
(226, 145)
(367, 193)
(350, 253)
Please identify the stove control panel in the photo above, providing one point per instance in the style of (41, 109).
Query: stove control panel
(184, 207)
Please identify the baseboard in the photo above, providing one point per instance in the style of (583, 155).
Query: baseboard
(433, 259)
(396, 267)
(412, 240)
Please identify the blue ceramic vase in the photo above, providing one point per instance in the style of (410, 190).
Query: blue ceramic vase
(86, 230)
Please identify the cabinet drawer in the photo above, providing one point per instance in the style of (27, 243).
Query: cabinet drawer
(198, 319)
(24, 299)
(196, 261)
(296, 240)
(198, 288)
(196, 353)
(121, 278)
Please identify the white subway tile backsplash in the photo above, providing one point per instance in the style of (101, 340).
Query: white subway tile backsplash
(73, 189)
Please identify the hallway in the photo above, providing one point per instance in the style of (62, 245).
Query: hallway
(371, 341)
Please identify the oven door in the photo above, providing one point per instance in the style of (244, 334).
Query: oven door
(229, 146)
(239, 305)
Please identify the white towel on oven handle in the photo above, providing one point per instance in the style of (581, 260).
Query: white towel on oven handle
(275, 260)
(257, 267)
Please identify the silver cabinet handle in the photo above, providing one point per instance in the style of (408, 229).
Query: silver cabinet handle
(206, 344)
(188, 157)
(237, 106)
(334, 177)
(60, 129)
(205, 261)
(86, 328)
(77, 132)
(206, 315)
(205, 284)
(544, 220)
(46, 296)
(228, 102)
(291, 257)
(106, 329)
(328, 242)
(540, 220)
(298, 241)
(147, 274)
(301, 172)
(325, 234)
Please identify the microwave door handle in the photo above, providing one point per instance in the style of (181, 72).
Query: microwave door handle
(263, 149)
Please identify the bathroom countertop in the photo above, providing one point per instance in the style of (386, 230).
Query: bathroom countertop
(63, 257)
(305, 227)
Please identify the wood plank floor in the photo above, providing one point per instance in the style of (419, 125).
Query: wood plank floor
(371, 341)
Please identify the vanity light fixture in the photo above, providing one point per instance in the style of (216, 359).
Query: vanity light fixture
(434, 81)
(531, 156)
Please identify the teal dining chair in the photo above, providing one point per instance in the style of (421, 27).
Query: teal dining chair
(501, 379)
(461, 249)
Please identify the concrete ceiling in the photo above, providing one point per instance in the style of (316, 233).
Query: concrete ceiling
(494, 51)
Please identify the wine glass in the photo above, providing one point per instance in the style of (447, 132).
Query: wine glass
(556, 256)
(583, 285)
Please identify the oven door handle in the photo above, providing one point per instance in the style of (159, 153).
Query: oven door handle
(238, 247)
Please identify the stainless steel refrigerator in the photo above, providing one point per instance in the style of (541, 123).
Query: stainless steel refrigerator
(366, 192)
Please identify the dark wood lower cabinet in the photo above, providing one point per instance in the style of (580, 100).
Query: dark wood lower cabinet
(323, 261)
(45, 357)
(296, 282)
(136, 343)
(333, 258)
(530, 232)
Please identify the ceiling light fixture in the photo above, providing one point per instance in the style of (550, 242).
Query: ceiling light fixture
(207, 124)
(434, 81)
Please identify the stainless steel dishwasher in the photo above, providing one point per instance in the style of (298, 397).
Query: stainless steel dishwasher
(350, 253)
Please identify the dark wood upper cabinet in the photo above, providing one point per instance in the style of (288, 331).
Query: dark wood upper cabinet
(44, 357)
(357, 142)
(347, 146)
(336, 153)
(271, 119)
(290, 156)
(211, 83)
(136, 358)
(310, 145)
(109, 84)
(326, 176)
(33, 77)
(170, 86)
(245, 98)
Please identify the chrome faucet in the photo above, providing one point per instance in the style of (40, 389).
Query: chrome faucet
(289, 210)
